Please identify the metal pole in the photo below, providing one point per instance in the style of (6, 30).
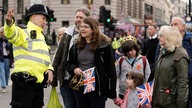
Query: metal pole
(189, 7)
(2, 12)
(186, 9)
(2, 17)
(89, 4)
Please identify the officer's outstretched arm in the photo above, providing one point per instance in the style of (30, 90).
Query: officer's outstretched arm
(9, 17)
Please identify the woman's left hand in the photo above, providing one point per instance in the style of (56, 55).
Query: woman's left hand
(78, 71)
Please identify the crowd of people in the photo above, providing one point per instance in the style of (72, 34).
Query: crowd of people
(163, 57)
(6, 60)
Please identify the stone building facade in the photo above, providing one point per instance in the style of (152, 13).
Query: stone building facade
(142, 11)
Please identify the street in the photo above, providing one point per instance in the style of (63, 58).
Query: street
(5, 98)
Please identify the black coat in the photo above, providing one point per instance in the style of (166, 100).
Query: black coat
(104, 62)
(60, 60)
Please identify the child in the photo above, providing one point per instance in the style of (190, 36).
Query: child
(134, 79)
(132, 60)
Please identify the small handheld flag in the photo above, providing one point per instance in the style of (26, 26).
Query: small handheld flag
(89, 80)
(145, 92)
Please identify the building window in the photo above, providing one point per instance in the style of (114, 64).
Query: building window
(65, 23)
(135, 10)
(86, 1)
(19, 21)
(5, 5)
(158, 12)
(65, 1)
(129, 7)
(140, 9)
(148, 9)
(107, 2)
(20, 6)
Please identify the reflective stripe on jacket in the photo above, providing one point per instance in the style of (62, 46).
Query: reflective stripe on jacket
(30, 55)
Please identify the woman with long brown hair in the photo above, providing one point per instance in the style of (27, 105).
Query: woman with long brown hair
(93, 49)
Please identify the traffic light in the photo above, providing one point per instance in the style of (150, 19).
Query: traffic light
(52, 19)
(108, 16)
(51, 15)
(102, 14)
(108, 19)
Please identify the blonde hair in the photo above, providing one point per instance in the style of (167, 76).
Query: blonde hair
(61, 32)
(172, 36)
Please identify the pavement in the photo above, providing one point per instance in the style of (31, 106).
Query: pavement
(5, 98)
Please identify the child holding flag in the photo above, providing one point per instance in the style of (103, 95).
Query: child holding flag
(134, 79)
(131, 60)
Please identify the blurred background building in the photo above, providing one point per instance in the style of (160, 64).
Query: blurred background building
(139, 12)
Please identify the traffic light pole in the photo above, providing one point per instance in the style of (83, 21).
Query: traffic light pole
(190, 8)
(2, 18)
(2, 11)
(48, 28)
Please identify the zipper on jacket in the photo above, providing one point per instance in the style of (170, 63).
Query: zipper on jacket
(101, 56)
(110, 83)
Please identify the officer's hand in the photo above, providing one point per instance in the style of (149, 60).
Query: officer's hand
(50, 76)
(10, 15)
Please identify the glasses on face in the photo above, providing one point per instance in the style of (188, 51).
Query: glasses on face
(84, 27)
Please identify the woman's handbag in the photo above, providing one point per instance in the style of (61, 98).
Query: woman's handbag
(54, 100)
(76, 82)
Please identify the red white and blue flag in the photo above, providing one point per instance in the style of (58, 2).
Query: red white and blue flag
(89, 80)
(145, 92)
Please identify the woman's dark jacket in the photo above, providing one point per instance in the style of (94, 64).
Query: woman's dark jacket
(171, 80)
(105, 68)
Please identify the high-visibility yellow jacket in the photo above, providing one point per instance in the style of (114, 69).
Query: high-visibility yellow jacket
(30, 55)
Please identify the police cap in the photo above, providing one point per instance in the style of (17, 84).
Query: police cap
(37, 9)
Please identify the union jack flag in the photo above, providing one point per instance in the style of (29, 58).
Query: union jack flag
(89, 80)
(145, 92)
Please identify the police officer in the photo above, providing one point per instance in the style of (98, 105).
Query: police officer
(32, 59)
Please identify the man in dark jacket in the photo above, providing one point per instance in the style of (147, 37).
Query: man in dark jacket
(62, 57)
(149, 48)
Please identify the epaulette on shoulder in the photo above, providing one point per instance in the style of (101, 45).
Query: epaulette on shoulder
(23, 26)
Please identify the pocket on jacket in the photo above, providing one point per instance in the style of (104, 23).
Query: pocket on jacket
(162, 98)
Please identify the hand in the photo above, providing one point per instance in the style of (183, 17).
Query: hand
(117, 101)
(10, 15)
(54, 83)
(78, 71)
(50, 76)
